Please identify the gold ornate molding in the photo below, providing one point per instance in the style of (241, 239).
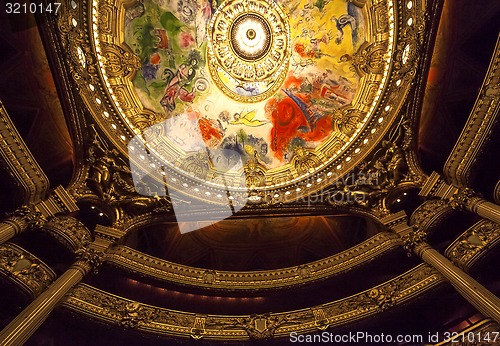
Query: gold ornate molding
(477, 130)
(70, 232)
(397, 222)
(149, 266)
(59, 201)
(430, 213)
(19, 162)
(99, 305)
(473, 243)
(24, 269)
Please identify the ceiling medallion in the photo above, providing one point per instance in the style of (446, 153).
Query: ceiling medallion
(249, 49)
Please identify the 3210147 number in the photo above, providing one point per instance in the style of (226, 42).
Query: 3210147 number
(33, 8)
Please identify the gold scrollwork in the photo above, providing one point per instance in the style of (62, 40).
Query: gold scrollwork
(119, 61)
(467, 248)
(370, 58)
(27, 271)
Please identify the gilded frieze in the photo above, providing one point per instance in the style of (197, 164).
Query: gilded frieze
(135, 261)
(99, 305)
(469, 247)
(24, 269)
(68, 231)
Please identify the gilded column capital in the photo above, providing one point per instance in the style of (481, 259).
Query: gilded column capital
(88, 259)
(26, 217)
(468, 200)
(463, 198)
(415, 241)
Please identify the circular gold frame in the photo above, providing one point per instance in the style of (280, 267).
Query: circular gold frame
(386, 73)
(224, 62)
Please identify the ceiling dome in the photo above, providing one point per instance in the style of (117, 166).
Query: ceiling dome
(251, 97)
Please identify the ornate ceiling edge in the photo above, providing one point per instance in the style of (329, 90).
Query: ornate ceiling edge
(106, 307)
(19, 162)
(82, 61)
(473, 244)
(414, 108)
(477, 130)
(24, 269)
(367, 191)
(161, 270)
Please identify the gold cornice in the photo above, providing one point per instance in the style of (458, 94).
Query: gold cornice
(19, 161)
(158, 269)
(477, 130)
(59, 201)
(106, 307)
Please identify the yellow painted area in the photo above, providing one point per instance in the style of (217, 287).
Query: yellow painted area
(308, 22)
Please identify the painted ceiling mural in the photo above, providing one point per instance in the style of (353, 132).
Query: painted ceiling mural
(261, 78)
